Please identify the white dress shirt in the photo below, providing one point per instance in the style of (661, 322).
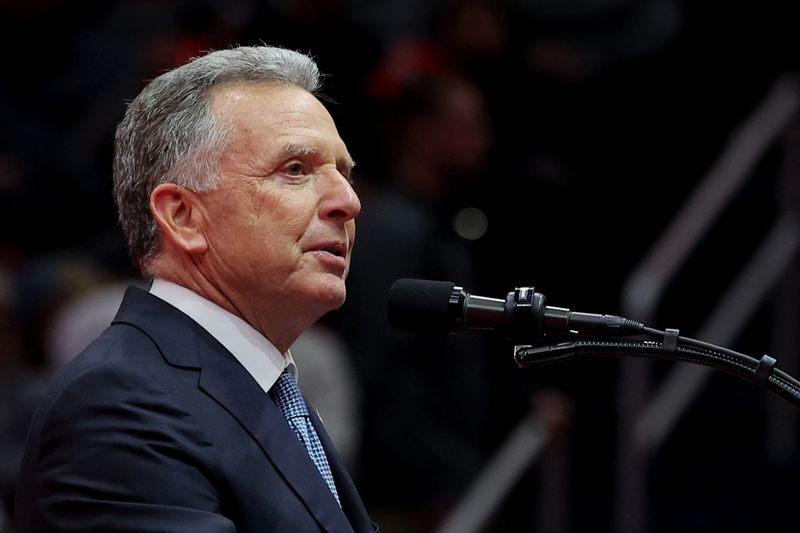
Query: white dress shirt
(256, 354)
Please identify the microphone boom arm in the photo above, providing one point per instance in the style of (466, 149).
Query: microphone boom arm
(544, 334)
(762, 372)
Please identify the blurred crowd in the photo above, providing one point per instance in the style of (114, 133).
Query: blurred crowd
(499, 143)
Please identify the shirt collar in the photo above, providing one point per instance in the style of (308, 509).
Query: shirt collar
(254, 351)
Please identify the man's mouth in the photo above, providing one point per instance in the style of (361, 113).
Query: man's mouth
(334, 248)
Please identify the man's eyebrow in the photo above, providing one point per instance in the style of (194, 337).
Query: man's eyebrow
(297, 149)
(303, 149)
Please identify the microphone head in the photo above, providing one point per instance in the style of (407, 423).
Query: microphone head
(421, 305)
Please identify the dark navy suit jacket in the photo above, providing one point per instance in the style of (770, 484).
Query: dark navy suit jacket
(157, 427)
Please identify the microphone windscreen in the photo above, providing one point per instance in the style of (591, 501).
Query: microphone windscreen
(420, 305)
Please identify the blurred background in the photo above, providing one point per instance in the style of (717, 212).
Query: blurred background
(630, 157)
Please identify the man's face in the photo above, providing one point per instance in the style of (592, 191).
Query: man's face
(280, 226)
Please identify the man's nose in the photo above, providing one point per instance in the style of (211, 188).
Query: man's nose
(338, 199)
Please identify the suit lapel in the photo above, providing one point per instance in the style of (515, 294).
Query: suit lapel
(223, 378)
(245, 400)
(352, 505)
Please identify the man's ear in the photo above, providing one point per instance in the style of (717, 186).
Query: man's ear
(177, 213)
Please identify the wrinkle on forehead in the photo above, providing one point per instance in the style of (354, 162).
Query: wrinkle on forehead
(294, 121)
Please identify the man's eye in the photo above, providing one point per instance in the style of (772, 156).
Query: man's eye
(295, 169)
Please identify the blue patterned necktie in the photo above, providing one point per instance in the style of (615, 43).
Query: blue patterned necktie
(286, 395)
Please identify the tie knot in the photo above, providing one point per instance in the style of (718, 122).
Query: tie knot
(287, 396)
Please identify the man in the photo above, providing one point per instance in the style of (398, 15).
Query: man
(233, 191)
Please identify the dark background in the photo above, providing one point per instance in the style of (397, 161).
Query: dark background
(605, 114)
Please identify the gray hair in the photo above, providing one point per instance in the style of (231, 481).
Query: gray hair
(169, 133)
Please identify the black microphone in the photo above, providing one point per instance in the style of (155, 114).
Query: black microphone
(443, 307)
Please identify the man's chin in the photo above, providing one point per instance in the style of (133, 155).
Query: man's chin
(331, 292)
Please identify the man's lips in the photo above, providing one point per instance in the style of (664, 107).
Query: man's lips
(333, 253)
(336, 248)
